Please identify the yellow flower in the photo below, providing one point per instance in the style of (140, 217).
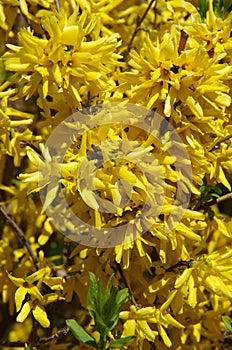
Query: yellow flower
(74, 54)
(67, 64)
(212, 273)
(191, 88)
(26, 287)
(21, 331)
(51, 167)
(138, 319)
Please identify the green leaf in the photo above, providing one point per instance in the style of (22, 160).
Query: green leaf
(104, 304)
(100, 325)
(80, 334)
(209, 193)
(93, 290)
(202, 189)
(120, 342)
(216, 195)
(122, 296)
(203, 6)
(108, 288)
(222, 8)
(95, 299)
(228, 323)
(115, 303)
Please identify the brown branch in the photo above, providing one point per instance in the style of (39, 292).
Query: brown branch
(61, 332)
(33, 338)
(155, 15)
(13, 344)
(183, 39)
(224, 197)
(179, 265)
(21, 236)
(222, 139)
(57, 5)
(138, 26)
(24, 143)
(215, 201)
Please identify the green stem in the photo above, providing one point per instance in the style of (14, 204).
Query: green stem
(102, 342)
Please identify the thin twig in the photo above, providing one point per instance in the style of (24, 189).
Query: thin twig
(155, 14)
(57, 5)
(224, 198)
(61, 332)
(183, 40)
(21, 236)
(138, 27)
(216, 201)
(24, 143)
(125, 282)
(222, 139)
(33, 338)
(13, 344)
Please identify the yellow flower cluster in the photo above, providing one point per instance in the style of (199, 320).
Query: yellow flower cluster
(61, 57)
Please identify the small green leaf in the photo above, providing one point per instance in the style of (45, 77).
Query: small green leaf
(27, 347)
(120, 342)
(80, 334)
(109, 284)
(228, 323)
(121, 298)
(216, 195)
(202, 189)
(93, 289)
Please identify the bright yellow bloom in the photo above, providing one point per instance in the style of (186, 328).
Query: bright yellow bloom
(36, 301)
(58, 57)
(67, 64)
(138, 319)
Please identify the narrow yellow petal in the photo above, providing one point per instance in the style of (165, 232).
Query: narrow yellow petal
(217, 286)
(195, 107)
(197, 331)
(41, 316)
(192, 297)
(89, 199)
(16, 280)
(35, 292)
(38, 275)
(52, 191)
(24, 312)
(183, 278)
(55, 283)
(173, 322)
(146, 312)
(164, 336)
(19, 297)
(145, 328)
(169, 300)
(23, 6)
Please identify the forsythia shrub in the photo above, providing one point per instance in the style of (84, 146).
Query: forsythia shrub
(59, 57)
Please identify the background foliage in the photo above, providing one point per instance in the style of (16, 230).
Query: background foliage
(174, 57)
